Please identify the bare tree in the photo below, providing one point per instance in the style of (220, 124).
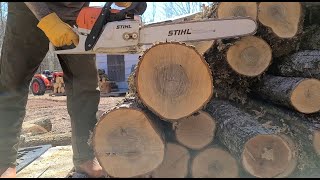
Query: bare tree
(3, 20)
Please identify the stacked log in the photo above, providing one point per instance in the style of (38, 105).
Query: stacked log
(246, 107)
(59, 86)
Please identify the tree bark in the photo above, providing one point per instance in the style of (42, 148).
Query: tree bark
(310, 39)
(301, 64)
(261, 151)
(128, 140)
(302, 94)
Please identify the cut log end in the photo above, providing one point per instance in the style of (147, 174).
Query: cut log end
(196, 131)
(249, 56)
(268, 156)
(214, 163)
(202, 46)
(237, 9)
(305, 97)
(316, 141)
(171, 75)
(282, 17)
(126, 144)
(175, 163)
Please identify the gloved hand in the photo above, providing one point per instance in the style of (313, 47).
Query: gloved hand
(59, 33)
(123, 4)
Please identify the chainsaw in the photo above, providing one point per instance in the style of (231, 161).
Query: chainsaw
(111, 31)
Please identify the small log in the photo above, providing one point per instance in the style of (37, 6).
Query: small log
(214, 162)
(48, 138)
(300, 129)
(175, 163)
(228, 10)
(261, 151)
(282, 17)
(195, 131)
(302, 94)
(250, 56)
(43, 122)
(33, 129)
(301, 64)
(128, 141)
(171, 75)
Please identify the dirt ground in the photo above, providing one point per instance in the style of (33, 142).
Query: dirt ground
(55, 108)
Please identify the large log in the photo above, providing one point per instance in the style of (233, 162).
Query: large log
(173, 80)
(302, 94)
(214, 162)
(237, 9)
(195, 131)
(175, 163)
(301, 64)
(301, 130)
(261, 151)
(128, 140)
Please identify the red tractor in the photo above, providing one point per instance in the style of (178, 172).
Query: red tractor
(44, 81)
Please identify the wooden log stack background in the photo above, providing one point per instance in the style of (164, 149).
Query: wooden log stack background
(246, 107)
(59, 86)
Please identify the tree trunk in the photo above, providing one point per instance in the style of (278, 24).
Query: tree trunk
(128, 140)
(304, 133)
(261, 151)
(175, 163)
(173, 80)
(214, 162)
(195, 131)
(301, 94)
(301, 64)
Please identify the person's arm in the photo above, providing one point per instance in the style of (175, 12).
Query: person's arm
(39, 9)
(59, 33)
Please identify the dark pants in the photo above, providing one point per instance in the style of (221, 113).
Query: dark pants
(24, 47)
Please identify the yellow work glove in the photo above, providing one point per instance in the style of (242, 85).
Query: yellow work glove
(123, 4)
(59, 33)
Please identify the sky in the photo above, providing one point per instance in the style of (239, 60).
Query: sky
(159, 16)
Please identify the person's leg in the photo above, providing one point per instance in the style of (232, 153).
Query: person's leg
(81, 79)
(23, 49)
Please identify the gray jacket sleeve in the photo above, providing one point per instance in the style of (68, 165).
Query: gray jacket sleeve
(39, 9)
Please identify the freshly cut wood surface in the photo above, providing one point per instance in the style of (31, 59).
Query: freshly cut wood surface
(173, 80)
(301, 94)
(195, 131)
(175, 163)
(282, 17)
(214, 162)
(237, 9)
(126, 143)
(262, 151)
(250, 56)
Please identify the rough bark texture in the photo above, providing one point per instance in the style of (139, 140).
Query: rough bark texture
(277, 89)
(312, 13)
(48, 138)
(236, 128)
(286, 121)
(228, 84)
(310, 39)
(301, 64)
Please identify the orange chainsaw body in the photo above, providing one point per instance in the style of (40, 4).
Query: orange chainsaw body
(88, 16)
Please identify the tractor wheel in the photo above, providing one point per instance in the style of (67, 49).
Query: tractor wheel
(38, 87)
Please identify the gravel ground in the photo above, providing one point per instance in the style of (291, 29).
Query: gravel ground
(55, 108)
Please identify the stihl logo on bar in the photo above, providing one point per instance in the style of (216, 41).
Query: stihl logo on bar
(123, 26)
(179, 32)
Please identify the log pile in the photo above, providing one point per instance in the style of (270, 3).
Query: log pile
(59, 86)
(246, 107)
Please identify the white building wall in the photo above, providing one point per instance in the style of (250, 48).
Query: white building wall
(130, 61)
